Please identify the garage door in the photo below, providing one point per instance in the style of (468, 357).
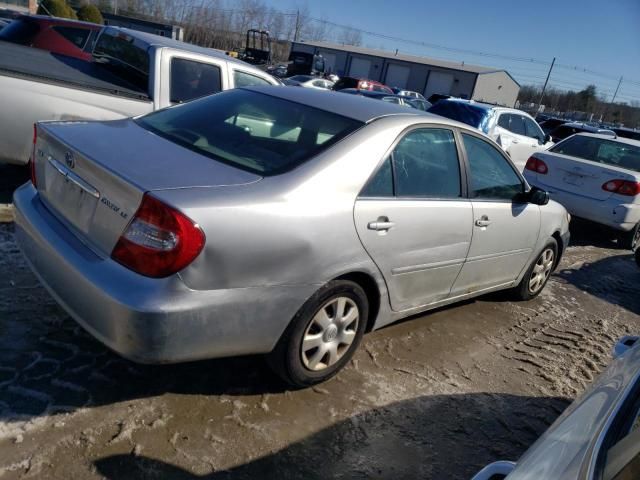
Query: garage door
(439, 82)
(360, 67)
(397, 75)
(329, 61)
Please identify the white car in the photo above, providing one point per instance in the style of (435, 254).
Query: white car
(308, 81)
(514, 130)
(595, 177)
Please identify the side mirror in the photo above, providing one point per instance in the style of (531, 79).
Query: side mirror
(537, 196)
(547, 138)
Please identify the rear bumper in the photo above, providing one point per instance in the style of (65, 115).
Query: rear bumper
(143, 319)
(610, 212)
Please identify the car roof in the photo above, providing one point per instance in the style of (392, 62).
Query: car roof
(158, 41)
(584, 126)
(628, 141)
(370, 93)
(350, 106)
(59, 21)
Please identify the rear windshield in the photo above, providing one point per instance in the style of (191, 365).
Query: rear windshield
(19, 31)
(608, 152)
(124, 56)
(250, 130)
(462, 112)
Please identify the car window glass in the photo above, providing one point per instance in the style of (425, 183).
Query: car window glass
(381, 184)
(492, 177)
(250, 130)
(20, 31)
(517, 125)
(391, 100)
(505, 121)
(425, 164)
(608, 152)
(190, 79)
(77, 36)
(242, 79)
(124, 55)
(532, 129)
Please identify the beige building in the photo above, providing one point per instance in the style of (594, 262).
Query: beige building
(425, 75)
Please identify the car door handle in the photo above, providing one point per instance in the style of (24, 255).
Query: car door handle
(483, 221)
(381, 225)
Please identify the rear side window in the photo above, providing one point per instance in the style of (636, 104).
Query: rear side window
(424, 163)
(250, 130)
(190, 79)
(243, 79)
(608, 152)
(77, 36)
(125, 56)
(492, 177)
(20, 31)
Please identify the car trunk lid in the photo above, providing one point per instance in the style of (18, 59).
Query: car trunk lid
(93, 175)
(581, 177)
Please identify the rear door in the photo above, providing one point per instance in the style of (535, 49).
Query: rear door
(413, 218)
(505, 229)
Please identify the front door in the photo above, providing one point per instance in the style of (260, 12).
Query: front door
(414, 220)
(505, 229)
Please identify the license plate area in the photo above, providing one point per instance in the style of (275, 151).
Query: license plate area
(70, 195)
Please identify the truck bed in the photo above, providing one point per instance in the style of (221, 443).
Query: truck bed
(42, 66)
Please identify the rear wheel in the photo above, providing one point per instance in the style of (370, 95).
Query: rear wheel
(323, 335)
(538, 274)
(630, 240)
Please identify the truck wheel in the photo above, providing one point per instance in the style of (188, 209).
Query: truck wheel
(538, 273)
(630, 240)
(323, 335)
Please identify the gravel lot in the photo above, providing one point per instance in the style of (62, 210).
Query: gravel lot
(434, 397)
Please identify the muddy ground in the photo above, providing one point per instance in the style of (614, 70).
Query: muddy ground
(435, 397)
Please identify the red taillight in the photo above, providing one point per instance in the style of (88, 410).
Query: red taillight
(536, 165)
(622, 187)
(159, 241)
(32, 160)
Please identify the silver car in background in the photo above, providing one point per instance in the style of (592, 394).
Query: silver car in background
(285, 221)
(597, 437)
(595, 177)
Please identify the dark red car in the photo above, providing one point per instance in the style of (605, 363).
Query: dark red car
(58, 35)
(361, 84)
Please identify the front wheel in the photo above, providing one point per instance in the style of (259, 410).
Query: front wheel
(538, 274)
(323, 335)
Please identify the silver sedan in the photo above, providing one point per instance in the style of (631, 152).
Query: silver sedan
(281, 221)
(597, 437)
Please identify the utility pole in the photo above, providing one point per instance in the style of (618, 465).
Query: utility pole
(606, 108)
(297, 30)
(545, 83)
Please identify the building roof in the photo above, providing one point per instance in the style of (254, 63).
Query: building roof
(462, 66)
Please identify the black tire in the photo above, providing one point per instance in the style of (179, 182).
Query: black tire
(630, 240)
(288, 358)
(523, 290)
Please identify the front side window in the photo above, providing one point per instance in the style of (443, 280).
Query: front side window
(77, 36)
(517, 125)
(533, 130)
(250, 130)
(190, 79)
(492, 177)
(243, 79)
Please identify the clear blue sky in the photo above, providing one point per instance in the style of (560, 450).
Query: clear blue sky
(602, 35)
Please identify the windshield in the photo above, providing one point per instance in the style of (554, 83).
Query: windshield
(463, 112)
(608, 152)
(249, 130)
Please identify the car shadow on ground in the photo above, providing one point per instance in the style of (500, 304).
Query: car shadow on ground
(585, 233)
(430, 437)
(11, 177)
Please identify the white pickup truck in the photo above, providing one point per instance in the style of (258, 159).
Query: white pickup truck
(133, 73)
